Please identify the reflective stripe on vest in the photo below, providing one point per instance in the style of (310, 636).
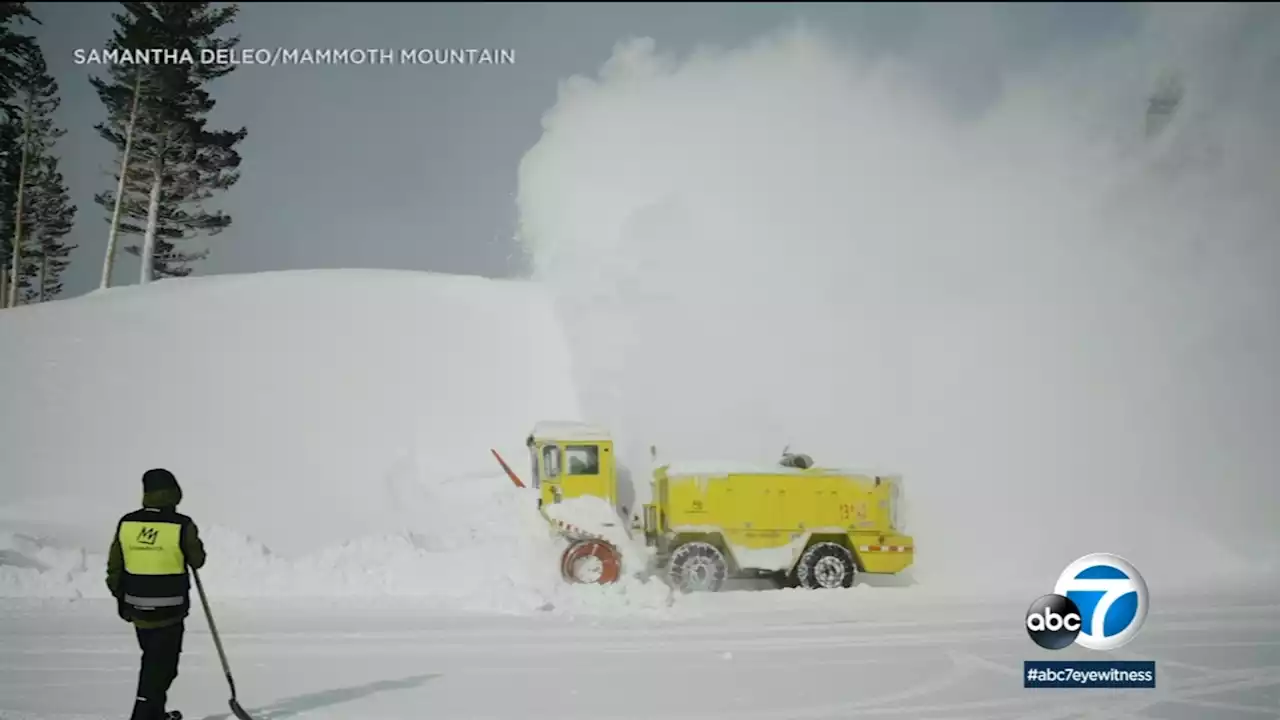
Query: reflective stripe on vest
(152, 548)
(154, 602)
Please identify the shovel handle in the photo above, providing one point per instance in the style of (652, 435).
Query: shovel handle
(213, 630)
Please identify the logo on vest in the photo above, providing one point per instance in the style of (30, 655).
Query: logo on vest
(148, 536)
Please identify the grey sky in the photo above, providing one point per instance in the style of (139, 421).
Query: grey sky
(415, 167)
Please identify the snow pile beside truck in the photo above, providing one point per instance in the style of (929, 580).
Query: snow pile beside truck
(331, 431)
(502, 562)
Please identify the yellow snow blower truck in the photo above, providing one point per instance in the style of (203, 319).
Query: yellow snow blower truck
(802, 525)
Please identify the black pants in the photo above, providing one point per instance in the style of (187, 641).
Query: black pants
(161, 648)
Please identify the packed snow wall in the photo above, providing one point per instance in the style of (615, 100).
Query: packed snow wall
(1060, 329)
(331, 431)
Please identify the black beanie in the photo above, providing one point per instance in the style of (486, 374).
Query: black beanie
(158, 479)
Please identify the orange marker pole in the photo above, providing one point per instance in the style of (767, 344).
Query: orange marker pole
(510, 473)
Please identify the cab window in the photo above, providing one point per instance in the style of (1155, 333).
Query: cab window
(537, 474)
(551, 462)
(582, 459)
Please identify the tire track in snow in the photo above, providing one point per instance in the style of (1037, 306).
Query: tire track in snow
(902, 668)
(1226, 681)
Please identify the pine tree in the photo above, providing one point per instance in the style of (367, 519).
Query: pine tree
(37, 184)
(49, 217)
(122, 95)
(175, 162)
(14, 48)
(10, 153)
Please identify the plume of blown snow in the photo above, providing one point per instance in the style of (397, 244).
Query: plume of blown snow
(1059, 325)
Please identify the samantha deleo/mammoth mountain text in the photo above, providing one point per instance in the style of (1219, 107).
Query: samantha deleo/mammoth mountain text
(298, 56)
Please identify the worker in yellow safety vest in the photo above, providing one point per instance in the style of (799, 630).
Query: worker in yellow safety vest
(147, 575)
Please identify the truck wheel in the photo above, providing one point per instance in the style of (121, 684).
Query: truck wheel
(697, 567)
(826, 565)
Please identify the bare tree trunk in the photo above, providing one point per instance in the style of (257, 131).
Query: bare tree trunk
(4, 286)
(16, 281)
(109, 260)
(153, 214)
(44, 271)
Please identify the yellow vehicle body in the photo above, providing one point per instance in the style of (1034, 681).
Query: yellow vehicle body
(812, 526)
(571, 459)
(764, 518)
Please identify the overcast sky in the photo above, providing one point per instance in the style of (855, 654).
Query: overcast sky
(415, 167)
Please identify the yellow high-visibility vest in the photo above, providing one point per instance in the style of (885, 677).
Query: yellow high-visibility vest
(152, 548)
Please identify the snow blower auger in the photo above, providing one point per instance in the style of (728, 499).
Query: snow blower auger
(589, 559)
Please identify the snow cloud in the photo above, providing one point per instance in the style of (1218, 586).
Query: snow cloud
(1057, 316)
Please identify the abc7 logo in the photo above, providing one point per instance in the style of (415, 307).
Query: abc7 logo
(1115, 596)
(1053, 621)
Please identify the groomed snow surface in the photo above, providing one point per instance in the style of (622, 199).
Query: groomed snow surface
(738, 656)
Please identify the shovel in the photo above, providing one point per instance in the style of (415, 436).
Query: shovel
(213, 630)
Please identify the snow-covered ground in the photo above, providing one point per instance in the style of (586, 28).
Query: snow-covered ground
(860, 653)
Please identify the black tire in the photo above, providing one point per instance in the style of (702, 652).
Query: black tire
(826, 565)
(697, 567)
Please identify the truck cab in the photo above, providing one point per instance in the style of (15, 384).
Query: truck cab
(572, 459)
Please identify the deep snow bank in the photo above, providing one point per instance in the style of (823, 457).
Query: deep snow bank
(1063, 333)
(494, 553)
(331, 431)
